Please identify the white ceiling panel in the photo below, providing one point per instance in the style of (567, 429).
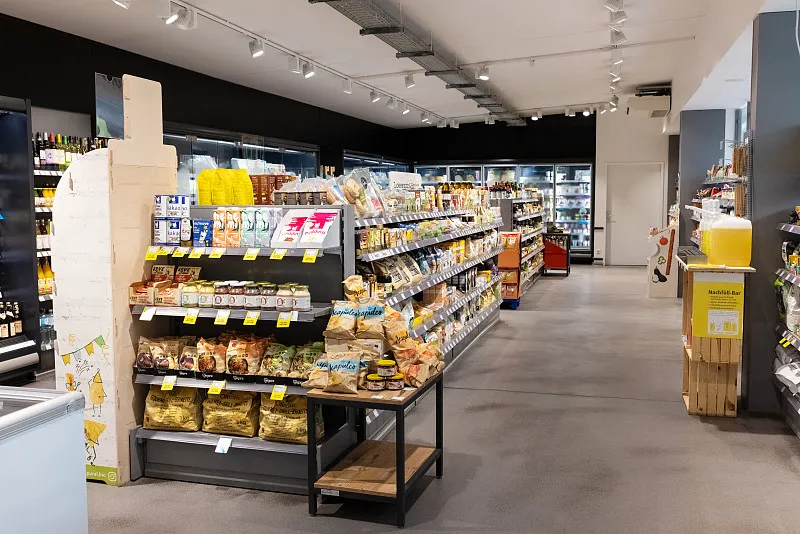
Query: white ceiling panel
(474, 30)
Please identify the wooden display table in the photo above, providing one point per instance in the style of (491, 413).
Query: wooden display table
(375, 470)
(713, 314)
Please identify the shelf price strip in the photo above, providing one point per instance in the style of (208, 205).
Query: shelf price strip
(180, 252)
(277, 254)
(251, 318)
(251, 254)
(147, 313)
(310, 255)
(169, 382)
(277, 393)
(216, 253)
(191, 315)
(152, 253)
(216, 387)
(222, 317)
(197, 252)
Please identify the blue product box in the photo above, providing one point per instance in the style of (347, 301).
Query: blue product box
(202, 232)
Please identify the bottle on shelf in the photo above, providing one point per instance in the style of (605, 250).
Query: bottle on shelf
(17, 319)
(4, 332)
(48, 276)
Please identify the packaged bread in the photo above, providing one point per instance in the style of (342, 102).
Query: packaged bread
(211, 356)
(342, 322)
(177, 409)
(369, 323)
(243, 357)
(287, 420)
(231, 412)
(343, 370)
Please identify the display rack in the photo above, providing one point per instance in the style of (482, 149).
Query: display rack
(788, 400)
(557, 255)
(521, 262)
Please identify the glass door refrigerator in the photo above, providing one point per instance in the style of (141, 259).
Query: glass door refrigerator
(540, 177)
(573, 206)
(496, 174)
(471, 174)
(432, 175)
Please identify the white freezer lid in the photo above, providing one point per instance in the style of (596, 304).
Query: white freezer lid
(22, 409)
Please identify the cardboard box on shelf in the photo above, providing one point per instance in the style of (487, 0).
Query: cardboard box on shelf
(167, 294)
(144, 293)
(510, 276)
(510, 291)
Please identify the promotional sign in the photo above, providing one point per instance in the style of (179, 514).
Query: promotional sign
(718, 305)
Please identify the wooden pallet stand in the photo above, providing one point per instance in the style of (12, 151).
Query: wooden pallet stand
(711, 364)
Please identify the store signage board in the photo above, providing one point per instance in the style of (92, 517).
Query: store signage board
(404, 180)
(251, 254)
(147, 313)
(223, 445)
(718, 305)
(277, 393)
(317, 226)
(169, 382)
(222, 317)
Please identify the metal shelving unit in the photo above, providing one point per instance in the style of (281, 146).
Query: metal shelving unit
(385, 253)
(447, 311)
(421, 216)
(153, 380)
(318, 310)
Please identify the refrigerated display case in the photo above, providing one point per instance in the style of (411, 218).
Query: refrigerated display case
(540, 177)
(573, 205)
(199, 149)
(500, 173)
(378, 165)
(432, 175)
(472, 175)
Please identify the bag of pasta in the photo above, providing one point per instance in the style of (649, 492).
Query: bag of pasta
(343, 370)
(287, 420)
(231, 412)
(211, 356)
(177, 409)
(342, 323)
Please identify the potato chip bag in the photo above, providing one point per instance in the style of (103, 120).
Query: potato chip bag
(343, 370)
(342, 323)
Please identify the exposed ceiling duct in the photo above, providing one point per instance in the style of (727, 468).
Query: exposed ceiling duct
(374, 20)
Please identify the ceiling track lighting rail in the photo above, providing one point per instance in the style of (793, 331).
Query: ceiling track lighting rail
(414, 53)
(381, 30)
(370, 15)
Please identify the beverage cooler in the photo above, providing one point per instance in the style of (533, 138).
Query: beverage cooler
(574, 205)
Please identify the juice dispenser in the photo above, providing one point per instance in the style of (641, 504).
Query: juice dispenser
(731, 241)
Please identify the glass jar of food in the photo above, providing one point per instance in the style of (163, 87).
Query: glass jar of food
(395, 382)
(284, 298)
(205, 295)
(189, 295)
(375, 382)
(268, 295)
(221, 291)
(387, 368)
(236, 297)
(301, 299)
(252, 297)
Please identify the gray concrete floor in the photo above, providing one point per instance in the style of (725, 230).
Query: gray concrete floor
(567, 418)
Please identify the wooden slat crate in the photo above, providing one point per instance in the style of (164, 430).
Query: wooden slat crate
(709, 388)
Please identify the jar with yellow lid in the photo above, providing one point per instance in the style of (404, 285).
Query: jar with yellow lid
(387, 368)
(395, 382)
(284, 298)
(375, 382)
(189, 295)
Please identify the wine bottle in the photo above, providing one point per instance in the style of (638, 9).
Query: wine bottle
(17, 319)
(3, 322)
(11, 319)
(36, 162)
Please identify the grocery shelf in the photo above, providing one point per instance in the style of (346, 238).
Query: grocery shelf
(695, 217)
(154, 380)
(793, 279)
(380, 254)
(211, 440)
(575, 194)
(531, 254)
(447, 311)
(42, 253)
(532, 234)
(571, 182)
(791, 228)
(263, 252)
(43, 172)
(43, 298)
(783, 331)
(438, 278)
(572, 207)
(529, 216)
(318, 310)
(567, 222)
(461, 334)
(694, 240)
(729, 180)
(421, 216)
(531, 275)
(523, 200)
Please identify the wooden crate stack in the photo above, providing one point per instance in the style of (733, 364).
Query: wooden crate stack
(710, 366)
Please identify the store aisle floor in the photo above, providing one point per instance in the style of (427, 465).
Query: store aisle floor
(566, 418)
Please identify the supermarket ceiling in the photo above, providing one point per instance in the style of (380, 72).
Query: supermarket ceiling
(568, 38)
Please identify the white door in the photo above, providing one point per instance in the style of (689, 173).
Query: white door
(635, 203)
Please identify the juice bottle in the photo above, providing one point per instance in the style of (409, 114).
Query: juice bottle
(42, 282)
(731, 242)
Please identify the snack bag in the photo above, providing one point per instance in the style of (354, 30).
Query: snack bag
(343, 370)
(211, 356)
(188, 359)
(231, 412)
(144, 357)
(277, 360)
(342, 323)
(369, 324)
(176, 409)
(305, 358)
(318, 377)
(354, 289)
(287, 420)
(397, 335)
(243, 357)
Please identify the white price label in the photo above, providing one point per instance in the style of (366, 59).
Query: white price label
(223, 445)
(147, 313)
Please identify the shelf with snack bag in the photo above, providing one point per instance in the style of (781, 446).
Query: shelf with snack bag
(416, 245)
(529, 216)
(410, 217)
(152, 380)
(533, 234)
(317, 310)
(459, 336)
(532, 253)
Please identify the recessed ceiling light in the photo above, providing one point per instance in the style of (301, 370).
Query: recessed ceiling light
(615, 88)
(483, 73)
(390, 103)
(613, 5)
(374, 96)
(124, 4)
(454, 124)
(174, 13)
(536, 116)
(347, 86)
(410, 81)
(424, 117)
(256, 48)
(441, 124)
(491, 121)
(603, 109)
(571, 113)
(615, 76)
(613, 109)
(566, 112)
(614, 101)
(308, 71)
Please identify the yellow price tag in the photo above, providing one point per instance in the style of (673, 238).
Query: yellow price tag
(278, 254)
(165, 251)
(222, 317)
(216, 253)
(251, 318)
(152, 253)
(180, 252)
(787, 343)
(417, 321)
(251, 254)
(310, 255)
(216, 387)
(277, 393)
(191, 316)
(147, 313)
(284, 319)
(168, 383)
(197, 252)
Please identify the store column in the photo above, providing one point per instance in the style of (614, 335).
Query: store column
(775, 120)
(702, 133)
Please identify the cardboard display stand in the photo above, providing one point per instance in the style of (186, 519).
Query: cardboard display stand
(102, 220)
(662, 272)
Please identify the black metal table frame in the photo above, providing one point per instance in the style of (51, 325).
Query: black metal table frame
(361, 406)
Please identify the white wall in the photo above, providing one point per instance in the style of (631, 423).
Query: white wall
(624, 139)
